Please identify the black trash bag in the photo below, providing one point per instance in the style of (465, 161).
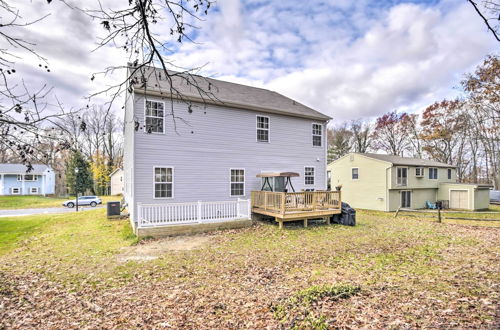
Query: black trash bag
(347, 216)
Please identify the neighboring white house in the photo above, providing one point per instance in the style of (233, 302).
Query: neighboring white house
(116, 182)
(206, 152)
(15, 180)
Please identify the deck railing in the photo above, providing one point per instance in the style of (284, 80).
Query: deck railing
(282, 203)
(151, 215)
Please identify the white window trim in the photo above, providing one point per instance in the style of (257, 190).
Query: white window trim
(407, 176)
(164, 120)
(449, 174)
(354, 168)
(422, 170)
(314, 176)
(320, 135)
(18, 191)
(31, 190)
(244, 182)
(268, 129)
(154, 182)
(437, 173)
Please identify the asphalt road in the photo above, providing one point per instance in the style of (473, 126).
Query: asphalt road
(51, 210)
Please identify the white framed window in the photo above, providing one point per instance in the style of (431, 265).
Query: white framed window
(317, 134)
(433, 173)
(163, 182)
(27, 177)
(30, 177)
(237, 181)
(402, 176)
(154, 117)
(34, 190)
(308, 175)
(262, 129)
(15, 191)
(419, 171)
(449, 174)
(354, 173)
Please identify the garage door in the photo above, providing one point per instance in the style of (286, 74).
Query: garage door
(459, 199)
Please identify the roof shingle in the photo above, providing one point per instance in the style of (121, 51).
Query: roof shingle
(21, 168)
(229, 94)
(397, 160)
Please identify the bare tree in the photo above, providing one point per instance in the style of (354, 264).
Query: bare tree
(361, 135)
(131, 28)
(339, 142)
(490, 13)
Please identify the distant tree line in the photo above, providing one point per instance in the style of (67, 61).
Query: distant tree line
(464, 132)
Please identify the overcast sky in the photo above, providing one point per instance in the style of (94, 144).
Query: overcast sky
(348, 59)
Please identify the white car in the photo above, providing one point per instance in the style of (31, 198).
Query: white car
(83, 200)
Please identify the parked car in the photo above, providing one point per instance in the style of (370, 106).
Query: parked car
(83, 200)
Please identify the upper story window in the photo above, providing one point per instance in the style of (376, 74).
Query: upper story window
(402, 176)
(262, 129)
(433, 173)
(449, 174)
(309, 175)
(419, 171)
(155, 117)
(164, 178)
(237, 182)
(27, 177)
(355, 173)
(317, 134)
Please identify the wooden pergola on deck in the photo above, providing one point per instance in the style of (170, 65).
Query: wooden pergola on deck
(292, 206)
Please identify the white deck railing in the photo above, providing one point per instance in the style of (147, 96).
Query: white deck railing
(151, 215)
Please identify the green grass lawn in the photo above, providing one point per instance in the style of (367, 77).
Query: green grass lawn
(65, 270)
(21, 202)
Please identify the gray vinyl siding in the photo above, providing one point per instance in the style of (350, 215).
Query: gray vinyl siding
(216, 139)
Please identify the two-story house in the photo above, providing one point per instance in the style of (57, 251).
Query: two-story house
(15, 180)
(210, 149)
(387, 182)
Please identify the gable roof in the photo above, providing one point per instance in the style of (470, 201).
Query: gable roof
(21, 168)
(227, 94)
(397, 160)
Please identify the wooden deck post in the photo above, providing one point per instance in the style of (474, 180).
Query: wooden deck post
(265, 201)
(283, 202)
(280, 222)
(327, 220)
(305, 222)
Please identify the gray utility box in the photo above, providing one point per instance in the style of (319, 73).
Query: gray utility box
(113, 208)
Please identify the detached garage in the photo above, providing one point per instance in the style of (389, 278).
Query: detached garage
(465, 196)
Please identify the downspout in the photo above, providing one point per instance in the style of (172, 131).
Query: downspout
(387, 179)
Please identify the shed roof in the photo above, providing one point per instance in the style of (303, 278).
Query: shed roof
(397, 160)
(226, 93)
(22, 169)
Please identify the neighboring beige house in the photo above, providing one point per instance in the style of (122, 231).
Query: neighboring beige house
(387, 182)
(116, 182)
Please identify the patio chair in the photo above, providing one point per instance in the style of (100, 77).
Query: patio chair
(430, 205)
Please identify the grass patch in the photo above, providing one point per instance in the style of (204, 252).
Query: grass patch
(413, 274)
(30, 202)
(298, 306)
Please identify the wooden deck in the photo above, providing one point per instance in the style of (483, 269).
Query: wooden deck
(297, 205)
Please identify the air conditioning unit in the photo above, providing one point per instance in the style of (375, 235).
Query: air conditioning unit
(419, 172)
